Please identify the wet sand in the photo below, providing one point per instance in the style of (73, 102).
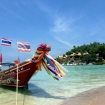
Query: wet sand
(91, 97)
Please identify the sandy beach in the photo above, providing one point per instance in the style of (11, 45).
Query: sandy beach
(91, 97)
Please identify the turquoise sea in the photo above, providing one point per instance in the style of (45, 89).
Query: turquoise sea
(45, 91)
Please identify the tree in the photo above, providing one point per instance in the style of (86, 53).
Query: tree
(93, 49)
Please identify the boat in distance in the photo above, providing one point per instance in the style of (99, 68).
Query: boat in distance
(30, 67)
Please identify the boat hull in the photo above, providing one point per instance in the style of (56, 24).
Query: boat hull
(25, 72)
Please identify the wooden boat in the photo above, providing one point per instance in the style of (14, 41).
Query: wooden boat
(28, 68)
(25, 72)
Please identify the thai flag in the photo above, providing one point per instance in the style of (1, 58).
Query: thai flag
(6, 42)
(23, 46)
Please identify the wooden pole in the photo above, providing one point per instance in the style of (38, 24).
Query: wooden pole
(17, 85)
(16, 62)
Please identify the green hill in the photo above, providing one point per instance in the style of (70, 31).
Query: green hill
(93, 53)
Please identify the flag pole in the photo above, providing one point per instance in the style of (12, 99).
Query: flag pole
(18, 57)
(17, 85)
(5, 42)
(16, 62)
(1, 53)
(18, 52)
(1, 59)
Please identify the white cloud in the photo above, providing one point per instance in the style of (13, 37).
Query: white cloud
(63, 31)
(60, 25)
(64, 42)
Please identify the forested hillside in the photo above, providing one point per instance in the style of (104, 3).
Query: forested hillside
(91, 53)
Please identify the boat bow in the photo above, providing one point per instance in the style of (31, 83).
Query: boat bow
(30, 67)
(41, 57)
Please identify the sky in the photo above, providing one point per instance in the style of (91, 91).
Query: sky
(59, 23)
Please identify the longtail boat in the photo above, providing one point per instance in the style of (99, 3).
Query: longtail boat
(30, 67)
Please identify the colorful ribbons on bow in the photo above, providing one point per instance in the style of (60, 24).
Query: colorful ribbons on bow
(53, 68)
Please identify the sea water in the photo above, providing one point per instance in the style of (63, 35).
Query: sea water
(43, 90)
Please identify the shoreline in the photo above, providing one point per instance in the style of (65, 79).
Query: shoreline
(94, 96)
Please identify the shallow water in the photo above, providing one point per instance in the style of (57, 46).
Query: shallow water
(45, 91)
